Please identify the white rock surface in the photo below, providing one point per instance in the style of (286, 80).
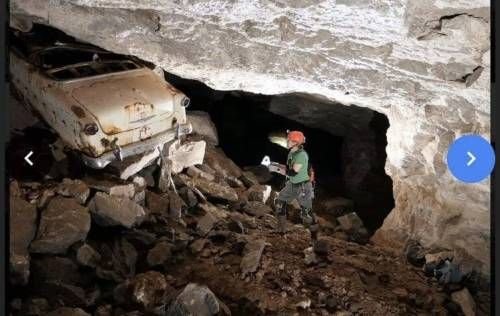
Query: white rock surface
(110, 210)
(410, 60)
(203, 125)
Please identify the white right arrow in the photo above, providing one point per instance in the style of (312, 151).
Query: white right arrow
(472, 159)
(27, 158)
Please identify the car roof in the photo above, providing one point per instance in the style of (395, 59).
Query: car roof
(42, 38)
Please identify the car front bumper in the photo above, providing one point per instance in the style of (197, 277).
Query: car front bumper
(137, 147)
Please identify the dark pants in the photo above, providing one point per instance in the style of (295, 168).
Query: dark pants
(304, 194)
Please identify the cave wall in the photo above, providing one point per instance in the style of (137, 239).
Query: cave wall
(425, 64)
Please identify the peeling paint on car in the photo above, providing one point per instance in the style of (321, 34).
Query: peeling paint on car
(78, 111)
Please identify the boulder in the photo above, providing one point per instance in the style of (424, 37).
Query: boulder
(206, 223)
(157, 203)
(111, 185)
(217, 160)
(146, 290)
(234, 182)
(108, 275)
(124, 257)
(133, 164)
(249, 179)
(212, 190)
(258, 173)
(194, 172)
(22, 224)
(325, 224)
(68, 311)
(260, 193)
(257, 209)
(176, 205)
(350, 222)
(188, 154)
(197, 245)
(206, 168)
(87, 256)
(321, 247)
(74, 188)
(148, 174)
(465, 300)
(195, 300)
(59, 280)
(66, 294)
(46, 196)
(236, 226)
(124, 191)
(159, 254)
(141, 237)
(109, 210)
(188, 196)
(218, 212)
(140, 183)
(252, 254)
(203, 126)
(15, 189)
(63, 223)
(336, 205)
(55, 269)
(244, 219)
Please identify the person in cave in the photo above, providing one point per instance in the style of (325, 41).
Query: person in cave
(299, 186)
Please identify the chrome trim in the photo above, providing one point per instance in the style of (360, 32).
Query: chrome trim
(138, 147)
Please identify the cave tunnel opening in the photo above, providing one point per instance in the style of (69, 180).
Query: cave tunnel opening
(346, 144)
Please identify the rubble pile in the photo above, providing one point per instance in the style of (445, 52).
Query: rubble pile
(105, 246)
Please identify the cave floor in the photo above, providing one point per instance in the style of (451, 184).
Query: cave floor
(354, 278)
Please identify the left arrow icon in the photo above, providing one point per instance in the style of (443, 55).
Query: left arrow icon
(27, 158)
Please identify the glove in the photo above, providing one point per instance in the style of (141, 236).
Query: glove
(290, 172)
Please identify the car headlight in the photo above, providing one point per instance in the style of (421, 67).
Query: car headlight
(90, 129)
(185, 102)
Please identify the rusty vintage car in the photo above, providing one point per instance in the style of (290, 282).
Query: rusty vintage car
(104, 105)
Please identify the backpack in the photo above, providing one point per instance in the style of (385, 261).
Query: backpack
(312, 176)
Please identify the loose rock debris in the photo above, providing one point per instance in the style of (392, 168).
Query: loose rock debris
(104, 246)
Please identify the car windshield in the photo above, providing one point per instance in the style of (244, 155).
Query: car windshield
(56, 57)
(91, 69)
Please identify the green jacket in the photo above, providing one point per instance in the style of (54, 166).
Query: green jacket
(300, 157)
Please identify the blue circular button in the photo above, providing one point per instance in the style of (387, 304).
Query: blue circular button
(471, 158)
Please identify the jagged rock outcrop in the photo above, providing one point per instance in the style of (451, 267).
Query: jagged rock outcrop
(424, 64)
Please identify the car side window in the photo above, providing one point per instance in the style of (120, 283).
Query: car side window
(59, 57)
(92, 69)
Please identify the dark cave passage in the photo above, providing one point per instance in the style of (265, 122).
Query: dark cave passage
(346, 144)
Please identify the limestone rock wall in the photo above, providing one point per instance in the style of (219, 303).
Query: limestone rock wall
(425, 64)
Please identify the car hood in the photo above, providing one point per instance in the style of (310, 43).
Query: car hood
(126, 101)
